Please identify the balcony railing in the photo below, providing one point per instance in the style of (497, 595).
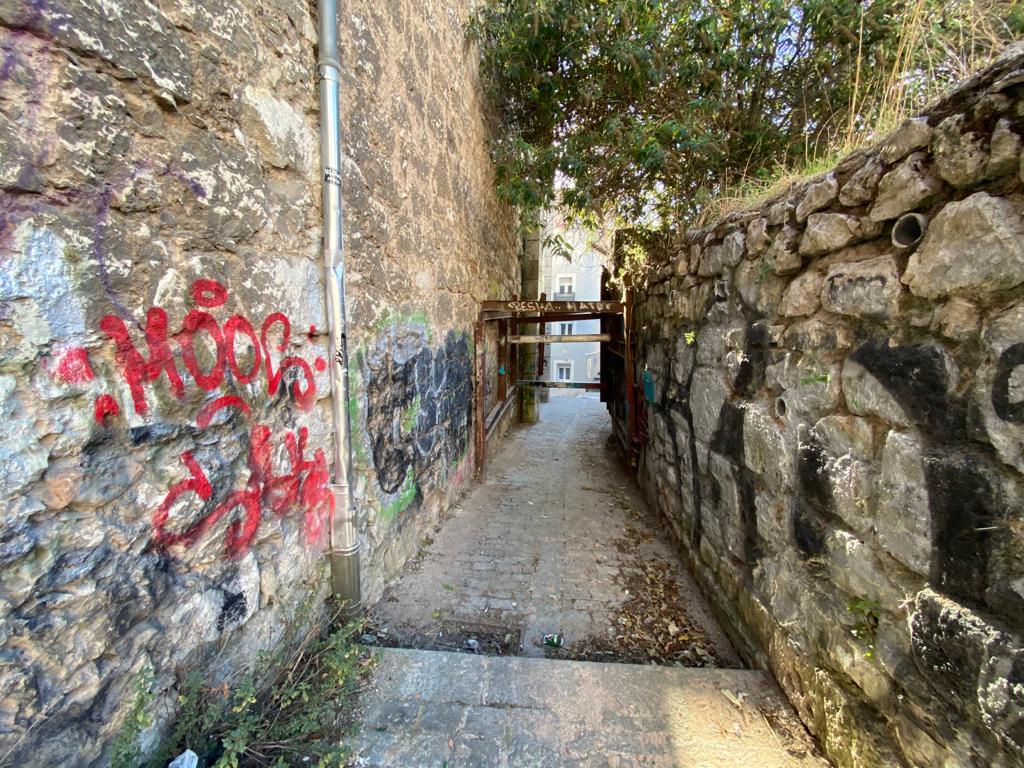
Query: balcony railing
(564, 297)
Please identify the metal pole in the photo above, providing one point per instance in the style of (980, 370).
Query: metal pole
(344, 544)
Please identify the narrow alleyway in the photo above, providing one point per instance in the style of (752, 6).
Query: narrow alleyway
(557, 540)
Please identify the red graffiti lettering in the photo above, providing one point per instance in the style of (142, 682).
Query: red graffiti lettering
(196, 321)
(227, 401)
(235, 324)
(303, 397)
(104, 406)
(137, 370)
(304, 487)
(209, 293)
(74, 367)
(197, 484)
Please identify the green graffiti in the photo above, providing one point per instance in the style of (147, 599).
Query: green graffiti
(406, 496)
(390, 318)
(410, 414)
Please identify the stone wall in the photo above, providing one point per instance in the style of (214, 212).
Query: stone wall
(427, 240)
(837, 436)
(162, 331)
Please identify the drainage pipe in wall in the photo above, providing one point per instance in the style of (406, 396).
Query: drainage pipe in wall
(344, 536)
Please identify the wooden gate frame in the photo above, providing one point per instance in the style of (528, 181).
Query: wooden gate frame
(510, 315)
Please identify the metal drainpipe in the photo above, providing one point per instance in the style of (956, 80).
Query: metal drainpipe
(344, 552)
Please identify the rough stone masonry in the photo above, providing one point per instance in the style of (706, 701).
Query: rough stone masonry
(837, 432)
(162, 331)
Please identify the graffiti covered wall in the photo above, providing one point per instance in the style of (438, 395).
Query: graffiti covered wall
(163, 349)
(837, 439)
(428, 241)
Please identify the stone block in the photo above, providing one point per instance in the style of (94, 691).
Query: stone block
(831, 231)
(904, 516)
(812, 389)
(782, 256)
(856, 570)
(869, 289)
(1005, 151)
(957, 319)
(861, 187)
(975, 244)
(733, 249)
(803, 296)
(999, 389)
(975, 666)
(759, 287)
(867, 396)
(847, 453)
(820, 193)
(913, 134)
(961, 156)
(766, 450)
(779, 213)
(909, 186)
(707, 395)
(758, 238)
(285, 138)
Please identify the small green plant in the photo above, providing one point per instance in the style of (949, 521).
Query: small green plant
(447, 587)
(287, 708)
(865, 629)
(762, 273)
(126, 750)
(691, 338)
(816, 378)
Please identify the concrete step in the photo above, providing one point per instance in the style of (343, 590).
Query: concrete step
(429, 708)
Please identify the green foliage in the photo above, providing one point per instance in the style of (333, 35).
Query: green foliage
(816, 378)
(639, 109)
(126, 751)
(288, 708)
(866, 627)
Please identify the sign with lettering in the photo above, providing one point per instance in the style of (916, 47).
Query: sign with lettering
(520, 307)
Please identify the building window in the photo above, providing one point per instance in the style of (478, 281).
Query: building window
(566, 284)
(565, 329)
(563, 371)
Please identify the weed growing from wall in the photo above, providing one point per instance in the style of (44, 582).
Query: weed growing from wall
(865, 629)
(126, 745)
(289, 707)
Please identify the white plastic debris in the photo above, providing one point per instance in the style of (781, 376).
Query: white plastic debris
(187, 759)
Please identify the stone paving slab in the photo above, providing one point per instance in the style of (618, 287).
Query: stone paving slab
(429, 708)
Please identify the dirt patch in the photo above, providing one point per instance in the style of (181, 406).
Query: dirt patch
(451, 636)
(651, 627)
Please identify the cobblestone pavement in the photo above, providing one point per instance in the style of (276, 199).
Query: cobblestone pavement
(557, 539)
(425, 708)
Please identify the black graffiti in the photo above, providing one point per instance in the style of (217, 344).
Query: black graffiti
(728, 441)
(1009, 361)
(813, 502)
(962, 500)
(418, 410)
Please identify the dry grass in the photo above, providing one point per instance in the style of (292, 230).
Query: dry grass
(933, 53)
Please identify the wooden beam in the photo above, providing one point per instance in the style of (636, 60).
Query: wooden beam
(521, 307)
(560, 384)
(554, 317)
(554, 338)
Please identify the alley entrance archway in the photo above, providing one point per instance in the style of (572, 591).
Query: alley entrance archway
(506, 327)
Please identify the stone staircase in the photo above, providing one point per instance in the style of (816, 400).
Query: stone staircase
(436, 709)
